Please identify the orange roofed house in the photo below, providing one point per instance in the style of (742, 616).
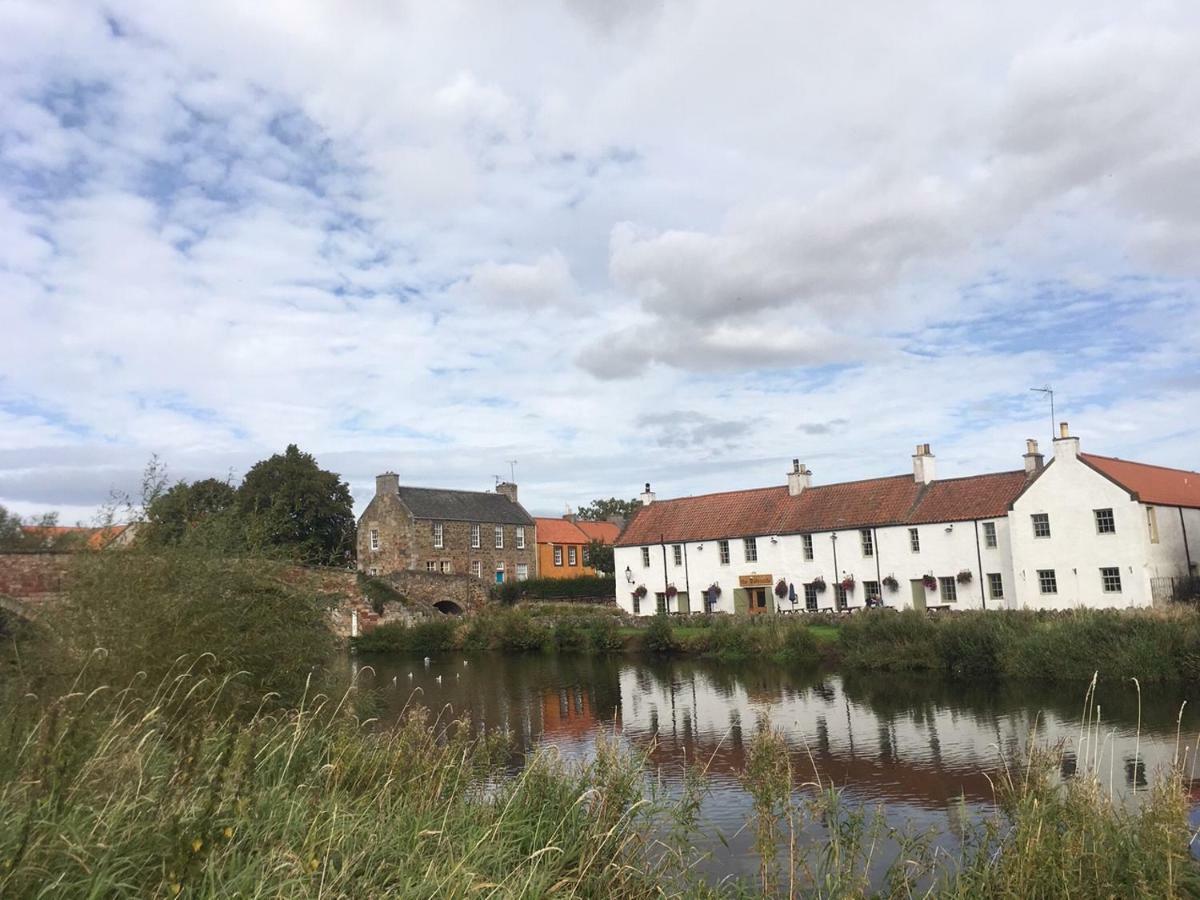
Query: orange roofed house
(563, 545)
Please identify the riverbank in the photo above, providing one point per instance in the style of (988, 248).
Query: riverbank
(1150, 645)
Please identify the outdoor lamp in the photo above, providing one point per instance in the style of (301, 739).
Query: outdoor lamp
(629, 574)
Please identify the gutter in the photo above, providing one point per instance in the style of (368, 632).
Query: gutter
(979, 560)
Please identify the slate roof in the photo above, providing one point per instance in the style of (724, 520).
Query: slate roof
(559, 531)
(895, 500)
(1151, 484)
(463, 506)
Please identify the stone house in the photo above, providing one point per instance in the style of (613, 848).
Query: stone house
(487, 535)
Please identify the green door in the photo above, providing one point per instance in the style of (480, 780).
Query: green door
(918, 594)
(741, 601)
(684, 604)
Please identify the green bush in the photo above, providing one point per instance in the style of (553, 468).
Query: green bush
(507, 593)
(798, 644)
(890, 640)
(603, 634)
(583, 587)
(658, 637)
(426, 636)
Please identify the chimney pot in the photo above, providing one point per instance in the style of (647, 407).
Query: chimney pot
(798, 479)
(923, 465)
(1033, 460)
(1062, 430)
(647, 495)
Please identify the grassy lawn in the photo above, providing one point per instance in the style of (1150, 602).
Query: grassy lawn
(825, 634)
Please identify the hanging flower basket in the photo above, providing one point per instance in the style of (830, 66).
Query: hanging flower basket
(781, 589)
(930, 582)
(671, 590)
(848, 584)
(818, 584)
(890, 582)
(639, 592)
(964, 577)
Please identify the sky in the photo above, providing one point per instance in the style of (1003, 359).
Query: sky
(616, 242)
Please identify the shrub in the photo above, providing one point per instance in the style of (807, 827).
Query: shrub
(658, 637)
(603, 635)
(885, 639)
(506, 593)
(379, 593)
(428, 636)
(798, 644)
(584, 587)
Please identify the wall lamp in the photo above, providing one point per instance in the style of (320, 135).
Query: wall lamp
(629, 574)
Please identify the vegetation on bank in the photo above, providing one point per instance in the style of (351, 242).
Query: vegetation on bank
(1150, 645)
(600, 588)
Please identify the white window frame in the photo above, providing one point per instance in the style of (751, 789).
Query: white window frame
(374, 538)
(996, 585)
(989, 535)
(811, 600)
(522, 571)
(677, 553)
(476, 537)
(806, 540)
(1109, 576)
(750, 549)
(914, 540)
(867, 540)
(439, 536)
(558, 556)
(1106, 523)
(723, 551)
(477, 568)
(431, 566)
(572, 556)
(948, 589)
(1037, 519)
(499, 532)
(873, 590)
(520, 537)
(1047, 578)
(446, 567)
(645, 557)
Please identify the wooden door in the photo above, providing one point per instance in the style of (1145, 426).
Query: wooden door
(756, 601)
(918, 594)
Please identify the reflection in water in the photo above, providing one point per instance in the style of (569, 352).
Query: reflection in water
(918, 746)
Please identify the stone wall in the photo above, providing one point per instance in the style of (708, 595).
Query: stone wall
(31, 575)
(430, 589)
(389, 518)
(456, 550)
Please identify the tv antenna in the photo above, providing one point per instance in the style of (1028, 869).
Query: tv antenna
(512, 471)
(1049, 392)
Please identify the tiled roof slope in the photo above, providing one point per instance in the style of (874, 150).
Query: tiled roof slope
(558, 531)
(1152, 484)
(896, 500)
(463, 506)
(605, 532)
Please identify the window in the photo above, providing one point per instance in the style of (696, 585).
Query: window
(374, 538)
(1047, 583)
(723, 549)
(751, 545)
(808, 548)
(637, 604)
(476, 568)
(439, 533)
(572, 557)
(1111, 579)
(374, 570)
(520, 537)
(871, 591)
(677, 552)
(810, 598)
(499, 537)
(446, 567)
(646, 557)
(989, 535)
(522, 571)
(476, 540)
(430, 566)
(868, 541)
(995, 585)
(1041, 525)
(1152, 523)
(660, 603)
(949, 589)
(1104, 521)
(587, 555)
(558, 556)
(839, 596)
(914, 540)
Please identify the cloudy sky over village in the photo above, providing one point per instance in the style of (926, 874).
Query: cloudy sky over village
(680, 242)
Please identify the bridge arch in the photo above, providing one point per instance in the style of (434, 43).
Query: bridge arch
(448, 607)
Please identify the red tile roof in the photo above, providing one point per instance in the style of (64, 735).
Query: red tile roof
(1151, 484)
(559, 531)
(896, 500)
(605, 532)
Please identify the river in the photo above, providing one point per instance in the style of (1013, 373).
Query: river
(917, 748)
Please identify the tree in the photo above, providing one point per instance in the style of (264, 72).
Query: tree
(11, 535)
(177, 512)
(291, 505)
(601, 510)
(600, 557)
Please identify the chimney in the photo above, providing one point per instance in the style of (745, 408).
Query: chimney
(508, 489)
(1065, 446)
(923, 469)
(387, 483)
(1033, 460)
(647, 495)
(798, 479)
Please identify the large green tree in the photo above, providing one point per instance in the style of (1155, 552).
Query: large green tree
(291, 505)
(601, 510)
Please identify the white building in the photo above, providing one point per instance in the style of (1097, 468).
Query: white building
(913, 540)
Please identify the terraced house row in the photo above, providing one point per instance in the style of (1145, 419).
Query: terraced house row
(1082, 530)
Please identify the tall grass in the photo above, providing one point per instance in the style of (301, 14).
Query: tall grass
(513, 630)
(106, 795)
(1153, 646)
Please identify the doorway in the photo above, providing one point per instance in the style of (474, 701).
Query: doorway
(918, 593)
(756, 601)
